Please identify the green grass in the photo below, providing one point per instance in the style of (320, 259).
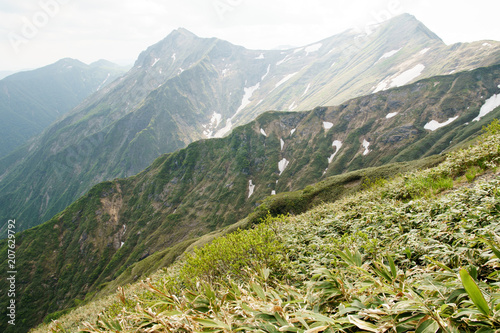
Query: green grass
(415, 253)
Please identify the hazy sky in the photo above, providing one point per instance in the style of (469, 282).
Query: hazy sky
(35, 33)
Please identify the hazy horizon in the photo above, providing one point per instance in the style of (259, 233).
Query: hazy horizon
(37, 33)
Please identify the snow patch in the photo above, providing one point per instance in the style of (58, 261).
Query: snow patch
(366, 144)
(173, 57)
(313, 48)
(282, 143)
(103, 82)
(293, 131)
(298, 50)
(292, 106)
(407, 76)
(307, 89)
(156, 60)
(121, 244)
(282, 165)
(327, 125)
(267, 73)
(434, 125)
(381, 86)
(390, 115)
(499, 86)
(400, 79)
(246, 97)
(489, 105)
(223, 131)
(263, 132)
(261, 56)
(283, 60)
(337, 144)
(215, 120)
(286, 78)
(273, 192)
(251, 188)
(389, 54)
(424, 51)
(487, 44)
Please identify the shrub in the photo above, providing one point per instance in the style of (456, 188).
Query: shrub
(235, 255)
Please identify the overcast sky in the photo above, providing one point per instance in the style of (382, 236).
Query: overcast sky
(35, 33)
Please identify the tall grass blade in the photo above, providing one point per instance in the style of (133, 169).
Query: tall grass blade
(364, 325)
(474, 292)
(428, 326)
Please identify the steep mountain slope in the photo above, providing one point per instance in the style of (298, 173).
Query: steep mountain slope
(214, 183)
(417, 253)
(30, 101)
(187, 88)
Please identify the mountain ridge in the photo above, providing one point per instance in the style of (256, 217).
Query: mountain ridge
(213, 183)
(177, 95)
(376, 259)
(32, 100)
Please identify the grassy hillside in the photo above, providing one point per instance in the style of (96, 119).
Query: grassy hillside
(402, 137)
(115, 234)
(106, 237)
(417, 253)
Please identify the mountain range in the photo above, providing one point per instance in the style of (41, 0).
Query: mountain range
(181, 146)
(187, 88)
(32, 100)
(213, 183)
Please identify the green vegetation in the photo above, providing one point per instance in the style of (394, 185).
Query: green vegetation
(396, 256)
(233, 256)
(126, 228)
(334, 188)
(122, 230)
(120, 131)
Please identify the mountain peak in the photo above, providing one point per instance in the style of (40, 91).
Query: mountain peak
(411, 25)
(184, 32)
(179, 33)
(176, 38)
(69, 62)
(103, 63)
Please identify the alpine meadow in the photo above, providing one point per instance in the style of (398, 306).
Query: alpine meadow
(348, 185)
